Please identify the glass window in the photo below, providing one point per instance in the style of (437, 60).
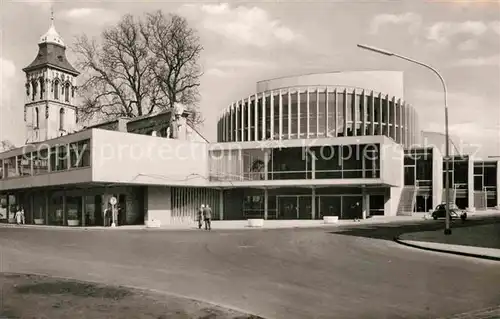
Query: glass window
(361, 111)
(332, 114)
(322, 114)
(259, 119)
(478, 183)
(268, 117)
(286, 103)
(276, 119)
(490, 175)
(391, 112)
(66, 93)
(398, 114)
(80, 154)
(294, 112)
(253, 164)
(478, 169)
(303, 114)
(33, 92)
(290, 163)
(369, 108)
(55, 89)
(24, 164)
(252, 120)
(37, 118)
(328, 161)
(59, 158)
(371, 158)
(42, 88)
(352, 162)
(340, 114)
(350, 101)
(244, 120)
(9, 167)
(313, 113)
(41, 162)
(238, 121)
(61, 119)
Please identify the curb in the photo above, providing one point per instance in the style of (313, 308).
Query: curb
(452, 252)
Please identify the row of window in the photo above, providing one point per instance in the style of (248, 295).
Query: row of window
(322, 162)
(315, 114)
(62, 112)
(57, 158)
(37, 87)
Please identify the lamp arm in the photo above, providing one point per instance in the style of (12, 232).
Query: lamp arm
(434, 71)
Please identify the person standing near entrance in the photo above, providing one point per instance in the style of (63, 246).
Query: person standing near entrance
(18, 216)
(23, 218)
(207, 215)
(200, 215)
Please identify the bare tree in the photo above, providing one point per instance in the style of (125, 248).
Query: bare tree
(139, 67)
(175, 49)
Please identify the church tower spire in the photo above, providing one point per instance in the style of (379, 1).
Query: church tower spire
(49, 109)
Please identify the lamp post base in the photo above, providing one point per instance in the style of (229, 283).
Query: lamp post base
(447, 231)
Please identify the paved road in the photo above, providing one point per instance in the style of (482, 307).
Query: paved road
(346, 272)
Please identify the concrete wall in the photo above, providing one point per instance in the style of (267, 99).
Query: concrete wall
(386, 82)
(392, 163)
(437, 177)
(470, 184)
(159, 206)
(141, 159)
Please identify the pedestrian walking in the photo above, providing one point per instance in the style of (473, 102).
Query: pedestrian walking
(22, 216)
(207, 216)
(200, 216)
(18, 216)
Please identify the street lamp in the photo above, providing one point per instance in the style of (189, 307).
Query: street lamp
(447, 230)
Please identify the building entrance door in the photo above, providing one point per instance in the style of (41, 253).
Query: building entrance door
(329, 206)
(287, 207)
(294, 207)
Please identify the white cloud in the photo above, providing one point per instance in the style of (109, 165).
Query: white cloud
(478, 62)
(473, 118)
(7, 82)
(495, 26)
(442, 32)
(90, 15)
(216, 72)
(243, 63)
(468, 45)
(7, 68)
(41, 4)
(241, 24)
(412, 20)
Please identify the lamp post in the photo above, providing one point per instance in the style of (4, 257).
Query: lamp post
(447, 230)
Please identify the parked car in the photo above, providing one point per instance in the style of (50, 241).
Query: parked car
(455, 212)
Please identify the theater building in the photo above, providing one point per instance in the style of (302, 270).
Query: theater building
(343, 144)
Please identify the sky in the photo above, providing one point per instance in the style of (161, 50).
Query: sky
(245, 42)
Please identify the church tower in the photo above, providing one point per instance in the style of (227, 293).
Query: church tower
(49, 110)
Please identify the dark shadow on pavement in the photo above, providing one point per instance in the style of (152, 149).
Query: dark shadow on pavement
(392, 231)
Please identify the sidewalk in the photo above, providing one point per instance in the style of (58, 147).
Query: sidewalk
(268, 224)
(476, 241)
(242, 224)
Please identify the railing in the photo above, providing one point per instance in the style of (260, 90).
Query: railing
(289, 175)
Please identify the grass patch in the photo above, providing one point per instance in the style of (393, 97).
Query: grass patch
(31, 296)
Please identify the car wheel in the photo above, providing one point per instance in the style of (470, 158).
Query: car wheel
(463, 217)
(435, 217)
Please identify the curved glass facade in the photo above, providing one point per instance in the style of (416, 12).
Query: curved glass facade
(315, 112)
